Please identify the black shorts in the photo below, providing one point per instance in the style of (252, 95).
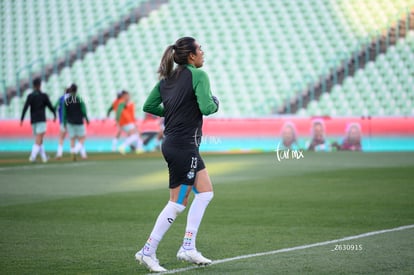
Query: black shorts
(183, 163)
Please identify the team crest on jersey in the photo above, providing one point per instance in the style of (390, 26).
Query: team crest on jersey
(190, 174)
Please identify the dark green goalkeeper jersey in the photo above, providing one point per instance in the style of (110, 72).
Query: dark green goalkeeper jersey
(74, 110)
(185, 98)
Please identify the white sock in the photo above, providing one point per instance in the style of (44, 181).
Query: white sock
(78, 147)
(114, 144)
(42, 152)
(59, 152)
(73, 150)
(130, 140)
(35, 151)
(164, 221)
(139, 143)
(194, 217)
(83, 151)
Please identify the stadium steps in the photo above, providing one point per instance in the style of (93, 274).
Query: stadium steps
(349, 67)
(383, 87)
(80, 51)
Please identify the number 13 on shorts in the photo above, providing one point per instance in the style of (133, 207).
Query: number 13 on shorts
(193, 162)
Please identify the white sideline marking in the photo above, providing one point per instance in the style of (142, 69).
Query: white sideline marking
(301, 247)
(39, 166)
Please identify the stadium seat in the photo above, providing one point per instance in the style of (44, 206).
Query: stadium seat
(385, 86)
(257, 51)
(34, 29)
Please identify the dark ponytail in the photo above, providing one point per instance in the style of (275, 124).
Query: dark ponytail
(177, 53)
(167, 63)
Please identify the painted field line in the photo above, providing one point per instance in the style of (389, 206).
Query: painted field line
(40, 166)
(301, 247)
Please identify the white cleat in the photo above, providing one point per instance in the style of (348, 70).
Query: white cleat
(192, 256)
(122, 150)
(150, 262)
(32, 159)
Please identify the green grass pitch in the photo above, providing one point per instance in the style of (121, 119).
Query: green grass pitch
(90, 217)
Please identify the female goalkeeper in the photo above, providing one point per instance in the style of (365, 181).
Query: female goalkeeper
(184, 91)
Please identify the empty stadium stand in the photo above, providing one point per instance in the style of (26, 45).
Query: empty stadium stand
(384, 87)
(35, 29)
(259, 54)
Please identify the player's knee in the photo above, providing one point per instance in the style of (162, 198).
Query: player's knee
(206, 196)
(179, 208)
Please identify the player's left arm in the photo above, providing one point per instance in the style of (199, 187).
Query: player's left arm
(83, 109)
(153, 103)
(207, 103)
(50, 106)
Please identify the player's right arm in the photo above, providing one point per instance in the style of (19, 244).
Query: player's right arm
(64, 116)
(83, 110)
(108, 112)
(153, 103)
(26, 105)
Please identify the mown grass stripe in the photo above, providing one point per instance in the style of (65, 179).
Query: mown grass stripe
(290, 249)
